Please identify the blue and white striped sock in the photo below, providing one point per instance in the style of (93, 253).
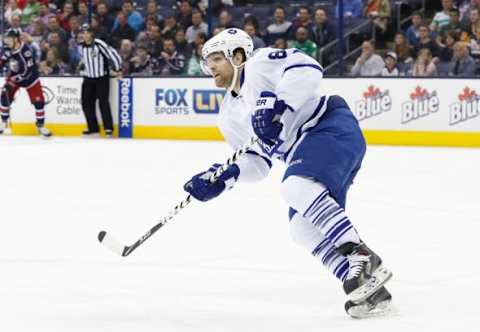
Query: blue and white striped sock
(308, 236)
(314, 202)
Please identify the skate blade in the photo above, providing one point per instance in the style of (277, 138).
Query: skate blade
(380, 276)
(366, 310)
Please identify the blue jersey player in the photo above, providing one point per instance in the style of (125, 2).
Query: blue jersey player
(276, 95)
(22, 73)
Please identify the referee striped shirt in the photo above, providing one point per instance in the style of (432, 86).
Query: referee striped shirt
(97, 57)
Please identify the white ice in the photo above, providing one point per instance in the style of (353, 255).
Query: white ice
(229, 264)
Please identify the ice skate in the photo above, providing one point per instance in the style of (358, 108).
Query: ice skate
(366, 274)
(44, 132)
(377, 304)
(90, 133)
(4, 129)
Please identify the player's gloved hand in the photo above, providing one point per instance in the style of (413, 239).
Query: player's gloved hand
(266, 119)
(202, 189)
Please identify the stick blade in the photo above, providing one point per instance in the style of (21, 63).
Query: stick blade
(112, 244)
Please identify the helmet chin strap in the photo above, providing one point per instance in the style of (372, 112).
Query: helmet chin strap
(236, 69)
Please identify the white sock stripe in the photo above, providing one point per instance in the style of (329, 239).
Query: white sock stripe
(333, 218)
(339, 222)
(342, 233)
(321, 218)
(316, 202)
(319, 206)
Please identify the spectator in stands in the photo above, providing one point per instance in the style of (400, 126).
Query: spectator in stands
(45, 14)
(472, 28)
(31, 9)
(154, 42)
(446, 45)
(142, 64)
(170, 27)
(15, 22)
(104, 17)
(281, 44)
(351, 9)
(402, 49)
(304, 44)
(425, 41)
(279, 28)
(153, 10)
(184, 16)
(250, 28)
(100, 31)
(453, 25)
(36, 30)
(134, 18)
(193, 67)
(390, 68)
(424, 65)
(412, 33)
(54, 26)
(54, 40)
(171, 62)
(182, 44)
(201, 38)
(322, 31)
(442, 18)
(225, 19)
(198, 25)
(83, 12)
(64, 16)
(73, 35)
(126, 53)
(122, 30)
(462, 63)
(11, 8)
(303, 19)
(379, 11)
(368, 63)
(53, 64)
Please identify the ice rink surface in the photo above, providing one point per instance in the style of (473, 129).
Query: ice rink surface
(229, 264)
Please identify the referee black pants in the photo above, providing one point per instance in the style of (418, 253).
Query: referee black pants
(93, 89)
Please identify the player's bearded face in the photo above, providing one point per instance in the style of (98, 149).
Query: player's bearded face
(220, 68)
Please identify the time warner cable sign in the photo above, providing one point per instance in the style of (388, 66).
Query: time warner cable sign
(125, 114)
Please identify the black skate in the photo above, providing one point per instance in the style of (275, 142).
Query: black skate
(366, 274)
(377, 304)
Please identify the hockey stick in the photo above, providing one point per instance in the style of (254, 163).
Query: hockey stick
(118, 248)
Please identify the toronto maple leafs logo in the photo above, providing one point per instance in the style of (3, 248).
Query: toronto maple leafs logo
(373, 103)
(422, 103)
(467, 107)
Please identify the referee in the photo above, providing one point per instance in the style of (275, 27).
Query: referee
(96, 59)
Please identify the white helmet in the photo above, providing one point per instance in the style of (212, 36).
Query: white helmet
(227, 42)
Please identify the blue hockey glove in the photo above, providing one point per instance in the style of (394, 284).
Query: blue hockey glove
(202, 189)
(266, 119)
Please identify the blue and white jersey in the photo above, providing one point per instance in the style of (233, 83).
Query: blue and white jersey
(296, 79)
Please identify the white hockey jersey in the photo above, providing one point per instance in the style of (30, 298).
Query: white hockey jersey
(296, 79)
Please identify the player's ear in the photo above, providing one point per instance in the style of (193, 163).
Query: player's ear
(239, 57)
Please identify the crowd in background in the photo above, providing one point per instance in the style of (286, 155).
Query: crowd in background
(156, 41)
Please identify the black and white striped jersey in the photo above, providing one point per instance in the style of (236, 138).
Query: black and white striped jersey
(97, 59)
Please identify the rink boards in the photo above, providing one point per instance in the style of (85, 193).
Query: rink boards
(435, 112)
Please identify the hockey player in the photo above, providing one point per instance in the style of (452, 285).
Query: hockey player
(22, 73)
(277, 95)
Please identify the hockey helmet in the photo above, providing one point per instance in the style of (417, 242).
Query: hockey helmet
(12, 33)
(227, 42)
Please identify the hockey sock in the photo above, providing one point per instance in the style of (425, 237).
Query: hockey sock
(308, 236)
(40, 115)
(5, 114)
(312, 200)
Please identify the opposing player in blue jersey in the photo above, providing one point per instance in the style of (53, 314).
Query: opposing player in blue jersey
(22, 73)
(277, 96)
